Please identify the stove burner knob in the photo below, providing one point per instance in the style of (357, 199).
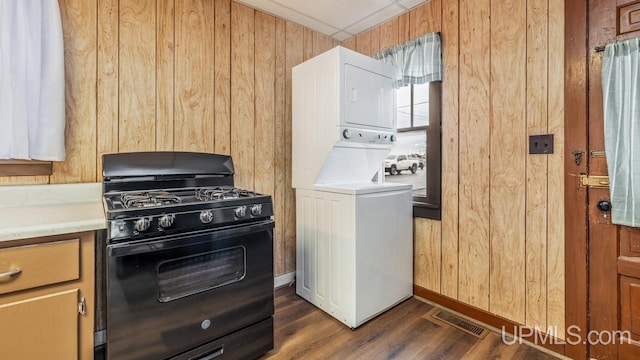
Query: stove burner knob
(166, 221)
(206, 216)
(256, 210)
(142, 224)
(241, 211)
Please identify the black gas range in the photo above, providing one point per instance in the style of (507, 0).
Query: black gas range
(160, 197)
(188, 259)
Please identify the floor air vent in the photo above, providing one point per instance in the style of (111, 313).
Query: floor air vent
(460, 323)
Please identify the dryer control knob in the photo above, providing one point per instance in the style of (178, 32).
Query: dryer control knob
(346, 134)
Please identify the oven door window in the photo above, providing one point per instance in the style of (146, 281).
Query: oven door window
(189, 275)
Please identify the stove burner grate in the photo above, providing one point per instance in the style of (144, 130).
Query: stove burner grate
(221, 193)
(149, 199)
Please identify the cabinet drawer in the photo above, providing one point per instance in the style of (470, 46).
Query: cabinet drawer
(39, 265)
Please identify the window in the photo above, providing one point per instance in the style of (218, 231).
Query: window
(416, 157)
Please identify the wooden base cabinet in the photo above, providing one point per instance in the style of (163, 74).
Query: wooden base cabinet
(40, 328)
(629, 272)
(46, 308)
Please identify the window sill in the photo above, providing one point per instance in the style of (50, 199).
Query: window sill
(25, 168)
(427, 211)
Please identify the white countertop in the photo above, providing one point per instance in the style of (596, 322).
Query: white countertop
(28, 211)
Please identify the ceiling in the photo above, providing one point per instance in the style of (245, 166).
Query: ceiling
(339, 19)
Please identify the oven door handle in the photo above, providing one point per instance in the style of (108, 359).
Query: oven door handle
(210, 355)
(186, 239)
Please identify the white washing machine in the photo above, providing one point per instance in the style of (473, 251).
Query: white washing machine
(354, 249)
(354, 238)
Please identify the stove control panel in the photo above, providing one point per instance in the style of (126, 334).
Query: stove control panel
(123, 228)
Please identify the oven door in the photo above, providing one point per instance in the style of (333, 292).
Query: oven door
(168, 295)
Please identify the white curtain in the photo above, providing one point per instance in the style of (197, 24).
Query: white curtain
(32, 107)
(621, 97)
(416, 61)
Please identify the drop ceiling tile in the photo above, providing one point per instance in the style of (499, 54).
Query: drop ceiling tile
(341, 36)
(411, 3)
(398, 3)
(284, 12)
(375, 19)
(336, 13)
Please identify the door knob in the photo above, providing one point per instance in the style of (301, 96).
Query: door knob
(604, 205)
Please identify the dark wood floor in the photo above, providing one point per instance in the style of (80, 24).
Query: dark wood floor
(407, 331)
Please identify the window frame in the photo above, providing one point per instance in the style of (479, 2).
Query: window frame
(430, 206)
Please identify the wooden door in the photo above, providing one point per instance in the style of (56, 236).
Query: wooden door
(44, 327)
(614, 251)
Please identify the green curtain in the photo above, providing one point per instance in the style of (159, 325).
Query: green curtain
(416, 61)
(621, 99)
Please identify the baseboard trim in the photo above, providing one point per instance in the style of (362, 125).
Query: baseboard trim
(284, 279)
(552, 344)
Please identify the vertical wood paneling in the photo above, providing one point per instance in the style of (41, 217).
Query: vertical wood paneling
(242, 94)
(294, 55)
(375, 40)
(473, 285)
(425, 18)
(107, 99)
(450, 148)
(350, 43)
(280, 149)
(508, 158)
(265, 102)
(536, 191)
(137, 76)
(389, 34)
(363, 43)
(404, 30)
(164, 74)
(555, 180)
(222, 73)
(426, 252)
(308, 44)
(79, 24)
(194, 78)
(321, 43)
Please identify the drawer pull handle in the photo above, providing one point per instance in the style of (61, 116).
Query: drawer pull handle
(9, 274)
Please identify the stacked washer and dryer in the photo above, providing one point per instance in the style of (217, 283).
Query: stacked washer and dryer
(354, 236)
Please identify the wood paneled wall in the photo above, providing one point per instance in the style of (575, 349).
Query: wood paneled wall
(500, 244)
(186, 75)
